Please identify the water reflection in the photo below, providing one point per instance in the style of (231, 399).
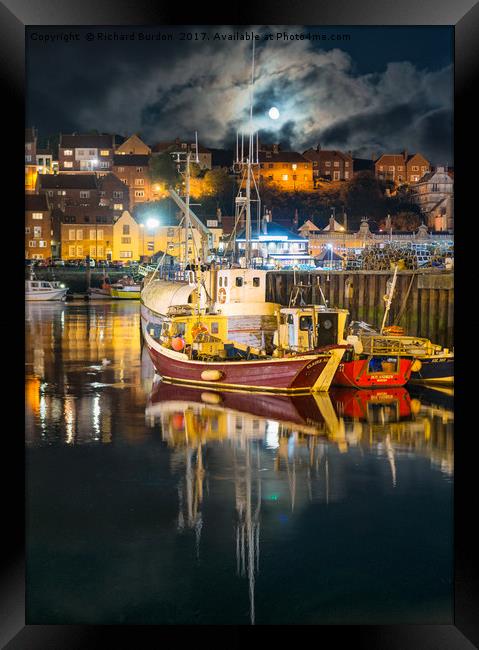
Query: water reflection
(270, 459)
(387, 424)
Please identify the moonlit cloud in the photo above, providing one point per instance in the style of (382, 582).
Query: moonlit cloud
(319, 95)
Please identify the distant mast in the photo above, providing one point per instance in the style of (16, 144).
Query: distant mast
(245, 166)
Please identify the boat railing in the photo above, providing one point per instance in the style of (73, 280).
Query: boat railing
(398, 345)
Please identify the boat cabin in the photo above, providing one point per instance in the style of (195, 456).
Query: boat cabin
(188, 327)
(312, 326)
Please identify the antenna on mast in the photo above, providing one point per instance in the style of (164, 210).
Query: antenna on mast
(196, 142)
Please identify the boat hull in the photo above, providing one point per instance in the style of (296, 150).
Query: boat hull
(355, 373)
(53, 294)
(124, 294)
(435, 369)
(299, 374)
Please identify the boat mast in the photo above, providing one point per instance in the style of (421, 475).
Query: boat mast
(248, 176)
(389, 298)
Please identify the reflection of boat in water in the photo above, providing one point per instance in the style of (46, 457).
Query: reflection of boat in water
(379, 405)
(308, 412)
(442, 396)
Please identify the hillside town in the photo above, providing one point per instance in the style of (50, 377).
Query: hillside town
(106, 198)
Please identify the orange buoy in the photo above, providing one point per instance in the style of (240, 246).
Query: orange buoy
(198, 329)
(178, 421)
(177, 344)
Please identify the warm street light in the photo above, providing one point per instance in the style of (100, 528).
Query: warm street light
(152, 223)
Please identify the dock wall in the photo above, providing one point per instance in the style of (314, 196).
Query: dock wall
(423, 301)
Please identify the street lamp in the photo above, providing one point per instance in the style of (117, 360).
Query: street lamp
(142, 226)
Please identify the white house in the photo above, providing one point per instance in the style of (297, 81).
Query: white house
(434, 194)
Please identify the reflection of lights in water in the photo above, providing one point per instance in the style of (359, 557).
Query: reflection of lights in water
(43, 412)
(272, 438)
(96, 411)
(69, 420)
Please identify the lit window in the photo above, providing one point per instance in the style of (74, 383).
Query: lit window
(139, 181)
(336, 163)
(126, 254)
(79, 251)
(68, 164)
(68, 152)
(71, 235)
(239, 282)
(37, 215)
(118, 206)
(84, 194)
(79, 234)
(284, 177)
(126, 230)
(328, 163)
(32, 244)
(294, 166)
(139, 194)
(104, 152)
(139, 169)
(27, 231)
(37, 231)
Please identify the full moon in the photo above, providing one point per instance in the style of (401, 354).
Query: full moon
(273, 113)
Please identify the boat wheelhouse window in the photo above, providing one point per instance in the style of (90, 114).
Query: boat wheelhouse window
(282, 319)
(226, 282)
(221, 281)
(46, 285)
(239, 281)
(179, 329)
(35, 285)
(256, 282)
(214, 328)
(305, 323)
(290, 319)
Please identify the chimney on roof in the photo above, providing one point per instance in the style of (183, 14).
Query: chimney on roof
(318, 147)
(404, 153)
(218, 215)
(331, 223)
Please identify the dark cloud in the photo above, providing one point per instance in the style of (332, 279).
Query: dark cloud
(323, 95)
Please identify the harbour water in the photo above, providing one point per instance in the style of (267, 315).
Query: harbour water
(149, 503)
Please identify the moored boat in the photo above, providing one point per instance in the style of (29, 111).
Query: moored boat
(383, 363)
(44, 290)
(193, 349)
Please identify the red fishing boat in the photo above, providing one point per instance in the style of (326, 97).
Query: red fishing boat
(375, 362)
(296, 373)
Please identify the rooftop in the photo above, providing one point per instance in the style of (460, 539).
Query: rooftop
(95, 141)
(130, 160)
(67, 181)
(36, 202)
(282, 156)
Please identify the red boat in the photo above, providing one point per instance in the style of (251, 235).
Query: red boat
(295, 373)
(370, 371)
(383, 363)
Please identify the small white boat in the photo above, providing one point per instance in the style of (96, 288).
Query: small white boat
(44, 290)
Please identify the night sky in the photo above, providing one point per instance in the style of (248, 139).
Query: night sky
(386, 89)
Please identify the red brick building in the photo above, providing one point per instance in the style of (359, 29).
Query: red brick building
(134, 172)
(114, 193)
(38, 227)
(402, 167)
(330, 165)
(64, 190)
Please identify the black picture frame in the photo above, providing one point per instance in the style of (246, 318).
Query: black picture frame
(464, 16)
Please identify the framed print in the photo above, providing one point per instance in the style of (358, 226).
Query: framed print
(239, 304)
